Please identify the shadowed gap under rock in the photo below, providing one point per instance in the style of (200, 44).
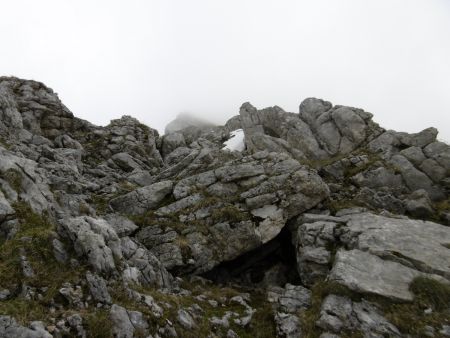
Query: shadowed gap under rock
(273, 263)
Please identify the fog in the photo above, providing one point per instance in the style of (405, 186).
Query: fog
(154, 59)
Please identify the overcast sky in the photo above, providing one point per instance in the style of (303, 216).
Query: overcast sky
(153, 59)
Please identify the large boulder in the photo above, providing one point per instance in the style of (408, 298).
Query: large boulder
(382, 255)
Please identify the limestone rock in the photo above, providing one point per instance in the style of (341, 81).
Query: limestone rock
(95, 239)
(142, 199)
(126, 323)
(366, 273)
(97, 288)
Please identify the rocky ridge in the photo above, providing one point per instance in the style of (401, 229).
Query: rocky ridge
(326, 225)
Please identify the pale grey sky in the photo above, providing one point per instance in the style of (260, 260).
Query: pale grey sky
(155, 58)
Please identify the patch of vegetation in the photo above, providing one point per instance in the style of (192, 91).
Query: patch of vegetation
(410, 317)
(98, 324)
(229, 213)
(34, 239)
(441, 208)
(319, 164)
(100, 203)
(334, 206)
(14, 178)
(4, 144)
(431, 293)
(350, 172)
(261, 326)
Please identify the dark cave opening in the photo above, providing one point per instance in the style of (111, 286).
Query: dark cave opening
(273, 263)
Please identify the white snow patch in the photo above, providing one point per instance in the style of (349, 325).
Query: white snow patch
(236, 141)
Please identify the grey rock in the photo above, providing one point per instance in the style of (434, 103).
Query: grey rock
(232, 334)
(59, 251)
(179, 205)
(311, 108)
(75, 322)
(142, 199)
(122, 327)
(294, 298)
(72, 294)
(356, 269)
(350, 124)
(420, 139)
(140, 177)
(123, 226)
(414, 154)
(143, 267)
(10, 328)
(4, 294)
(340, 313)
(97, 288)
(378, 178)
(413, 178)
(172, 141)
(445, 330)
(199, 181)
(311, 241)
(177, 155)
(65, 141)
(240, 171)
(288, 325)
(419, 245)
(329, 335)
(5, 208)
(95, 239)
(433, 170)
(185, 319)
(27, 269)
(419, 204)
(222, 189)
(125, 161)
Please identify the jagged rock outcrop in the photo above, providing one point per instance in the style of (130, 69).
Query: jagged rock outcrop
(324, 224)
(224, 212)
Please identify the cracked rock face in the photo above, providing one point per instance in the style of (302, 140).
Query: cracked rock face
(300, 232)
(382, 255)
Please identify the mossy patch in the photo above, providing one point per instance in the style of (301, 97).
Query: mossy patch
(98, 324)
(34, 239)
(229, 213)
(14, 178)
